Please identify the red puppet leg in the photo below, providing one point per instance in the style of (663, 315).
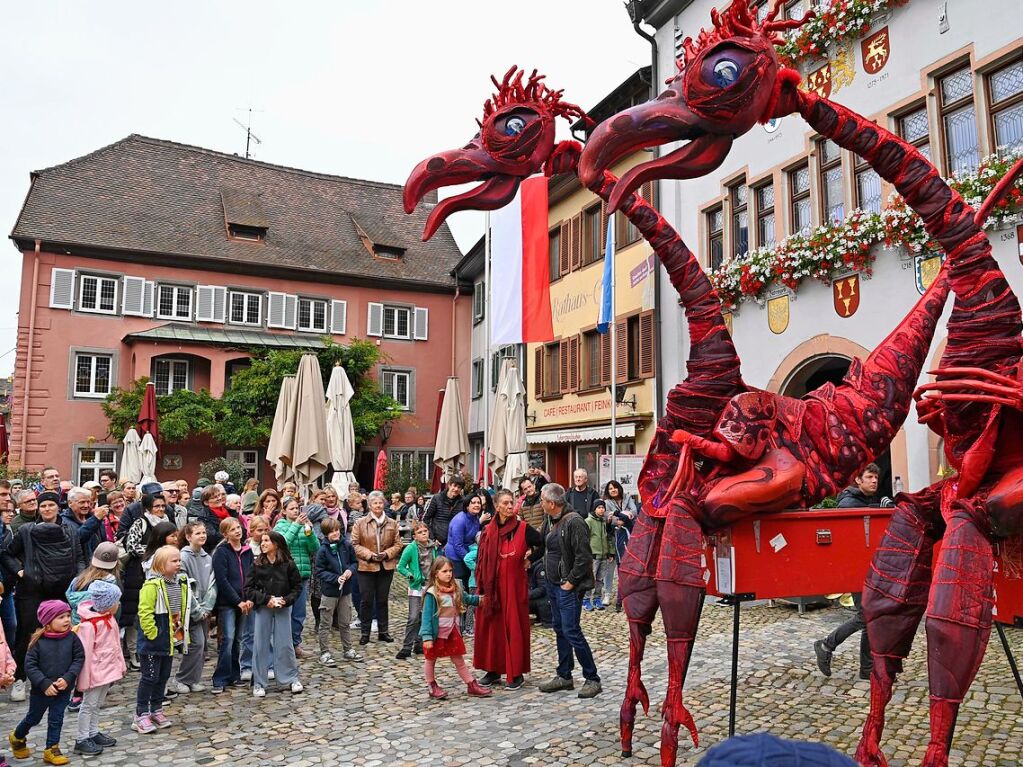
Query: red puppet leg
(958, 621)
(639, 600)
(681, 614)
(894, 600)
(680, 590)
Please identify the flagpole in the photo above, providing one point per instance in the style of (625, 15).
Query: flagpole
(486, 360)
(614, 353)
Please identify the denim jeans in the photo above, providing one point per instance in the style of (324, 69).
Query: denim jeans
(415, 618)
(54, 707)
(298, 613)
(9, 617)
(272, 648)
(156, 671)
(566, 610)
(232, 625)
(603, 575)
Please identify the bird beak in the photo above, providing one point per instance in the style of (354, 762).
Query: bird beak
(654, 123)
(459, 166)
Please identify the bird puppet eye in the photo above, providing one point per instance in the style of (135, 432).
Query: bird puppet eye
(726, 72)
(514, 126)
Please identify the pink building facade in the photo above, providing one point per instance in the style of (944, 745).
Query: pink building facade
(149, 258)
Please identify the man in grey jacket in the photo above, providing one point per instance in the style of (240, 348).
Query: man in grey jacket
(569, 565)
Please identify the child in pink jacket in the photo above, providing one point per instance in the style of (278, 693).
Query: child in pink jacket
(7, 665)
(104, 662)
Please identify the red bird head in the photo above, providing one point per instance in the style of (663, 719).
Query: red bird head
(515, 140)
(728, 80)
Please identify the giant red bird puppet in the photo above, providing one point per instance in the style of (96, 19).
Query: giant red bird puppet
(758, 451)
(762, 452)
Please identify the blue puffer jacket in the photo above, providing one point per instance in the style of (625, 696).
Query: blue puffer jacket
(332, 559)
(461, 535)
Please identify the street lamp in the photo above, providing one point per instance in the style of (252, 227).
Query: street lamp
(385, 431)
(618, 392)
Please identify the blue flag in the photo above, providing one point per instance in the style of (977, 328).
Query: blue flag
(605, 317)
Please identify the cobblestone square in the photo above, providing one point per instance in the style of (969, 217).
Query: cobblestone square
(376, 713)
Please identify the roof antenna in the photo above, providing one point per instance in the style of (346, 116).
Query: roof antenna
(249, 135)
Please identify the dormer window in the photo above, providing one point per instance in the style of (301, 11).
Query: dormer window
(244, 216)
(388, 251)
(243, 232)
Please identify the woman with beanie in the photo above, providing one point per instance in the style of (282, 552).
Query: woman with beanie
(104, 662)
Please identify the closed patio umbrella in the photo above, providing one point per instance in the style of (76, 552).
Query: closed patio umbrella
(452, 445)
(275, 445)
(380, 473)
(508, 457)
(340, 430)
(305, 435)
(4, 443)
(131, 457)
(149, 421)
(147, 449)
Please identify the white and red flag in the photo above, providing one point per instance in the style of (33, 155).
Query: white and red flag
(519, 268)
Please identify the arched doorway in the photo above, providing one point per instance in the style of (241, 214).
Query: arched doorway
(816, 371)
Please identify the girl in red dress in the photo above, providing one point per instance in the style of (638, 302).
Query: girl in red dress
(443, 604)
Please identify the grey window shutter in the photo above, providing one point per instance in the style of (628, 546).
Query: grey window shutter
(219, 302)
(290, 311)
(204, 304)
(133, 296)
(420, 323)
(338, 317)
(375, 323)
(62, 288)
(275, 310)
(147, 298)
(412, 390)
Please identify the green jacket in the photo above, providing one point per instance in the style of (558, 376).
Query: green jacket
(430, 627)
(600, 542)
(155, 637)
(408, 565)
(470, 562)
(302, 546)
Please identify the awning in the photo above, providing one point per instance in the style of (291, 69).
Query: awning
(225, 337)
(580, 434)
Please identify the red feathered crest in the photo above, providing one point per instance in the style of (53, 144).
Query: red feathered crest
(512, 90)
(739, 20)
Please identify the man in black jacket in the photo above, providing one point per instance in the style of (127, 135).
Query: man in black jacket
(46, 555)
(569, 564)
(539, 604)
(442, 509)
(582, 498)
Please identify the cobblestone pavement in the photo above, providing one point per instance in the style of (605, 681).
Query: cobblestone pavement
(377, 713)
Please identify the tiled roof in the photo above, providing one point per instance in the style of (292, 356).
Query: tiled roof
(154, 196)
(225, 337)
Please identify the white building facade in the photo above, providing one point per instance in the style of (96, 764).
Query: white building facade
(950, 81)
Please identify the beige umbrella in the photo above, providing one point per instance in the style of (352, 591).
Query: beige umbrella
(131, 457)
(304, 442)
(148, 450)
(340, 430)
(452, 439)
(507, 450)
(275, 446)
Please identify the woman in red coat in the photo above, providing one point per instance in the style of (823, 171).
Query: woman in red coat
(507, 547)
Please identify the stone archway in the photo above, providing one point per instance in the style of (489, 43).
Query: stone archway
(823, 358)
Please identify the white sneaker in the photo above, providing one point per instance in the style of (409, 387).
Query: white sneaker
(355, 624)
(198, 687)
(350, 654)
(296, 688)
(247, 675)
(180, 687)
(258, 692)
(271, 675)
(327, 659)
(18, 691)
(374, 628)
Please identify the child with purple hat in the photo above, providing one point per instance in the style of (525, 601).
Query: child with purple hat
(54, 659)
